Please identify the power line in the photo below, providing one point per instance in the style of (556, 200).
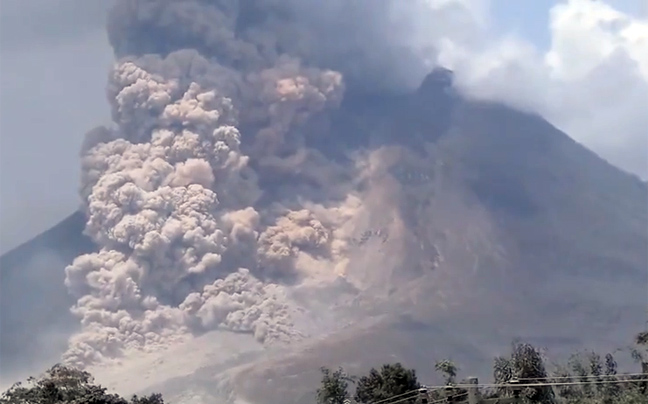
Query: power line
(445, 399)
(401, 400)
(397, 396)
(408, 395)
(583, 377)
(519, 385)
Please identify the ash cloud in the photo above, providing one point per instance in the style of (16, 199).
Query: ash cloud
(206, 202)
(375, 45)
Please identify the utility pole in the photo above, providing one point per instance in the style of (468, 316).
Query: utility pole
(473, 391)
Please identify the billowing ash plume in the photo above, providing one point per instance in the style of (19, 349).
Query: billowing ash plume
(376, 45)
(210, 101)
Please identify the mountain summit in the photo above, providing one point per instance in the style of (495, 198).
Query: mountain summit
(274, 196)
(490, 224)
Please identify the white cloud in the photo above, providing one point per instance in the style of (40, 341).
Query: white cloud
(592, 82)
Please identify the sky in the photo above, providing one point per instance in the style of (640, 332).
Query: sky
(54, 60)
(583, 64)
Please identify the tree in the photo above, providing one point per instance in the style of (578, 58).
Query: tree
(392, 380)
(61, 384)
(597, 383)
(449, 370)
(527, 365)
(610, 390)
(334, 387)
(640, 354)
(152, 399)
(640, 351)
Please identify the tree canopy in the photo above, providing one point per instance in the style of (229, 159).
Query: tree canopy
(334, 387)
(585, 378)
(391, 380)
(62, 384)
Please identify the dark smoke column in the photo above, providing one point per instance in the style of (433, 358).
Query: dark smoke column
(188, 243)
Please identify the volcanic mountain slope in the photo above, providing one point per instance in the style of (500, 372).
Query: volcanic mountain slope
(510, 229)
(35, 320)
(501, 225)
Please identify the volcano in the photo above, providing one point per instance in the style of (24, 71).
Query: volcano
(290, 184)
(509, 229)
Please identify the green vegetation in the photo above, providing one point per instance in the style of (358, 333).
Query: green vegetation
(585, 378)
(334, 387)
(66, 385)
(391, 380)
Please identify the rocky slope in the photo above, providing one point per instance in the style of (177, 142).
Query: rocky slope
(489, 224)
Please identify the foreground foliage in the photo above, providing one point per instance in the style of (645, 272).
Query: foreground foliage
(391, 380)
(61, 384)
(586, 378)
(334, 387)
